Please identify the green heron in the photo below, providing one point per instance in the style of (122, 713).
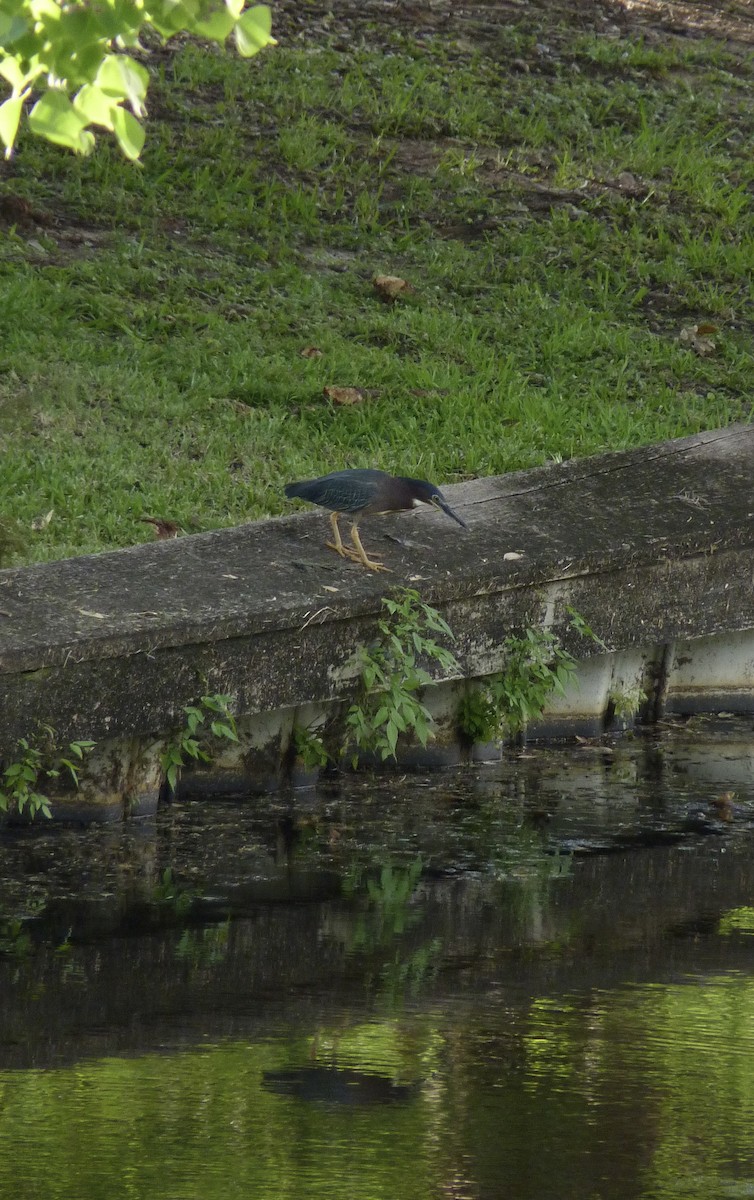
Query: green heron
(362, 493)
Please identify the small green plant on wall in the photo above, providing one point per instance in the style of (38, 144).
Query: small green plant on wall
(627, 701)
(211, 715)
(310, 748)
(391, 677)
(22, 780)
(537, 666)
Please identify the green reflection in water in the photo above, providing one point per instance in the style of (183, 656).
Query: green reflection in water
(739, 920)
(201, 1124)
(671, 1066)
(642, 1092)
(704, 1041)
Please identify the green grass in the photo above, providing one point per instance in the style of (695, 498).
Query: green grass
(151, 327)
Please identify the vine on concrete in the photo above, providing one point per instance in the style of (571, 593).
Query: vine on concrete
(391, 675)
(537, 666)
(211, 715)
(21, 788)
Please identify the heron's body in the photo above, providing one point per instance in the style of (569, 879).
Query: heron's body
(364, 492)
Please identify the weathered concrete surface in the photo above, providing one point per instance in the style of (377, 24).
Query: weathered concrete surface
(653, 547)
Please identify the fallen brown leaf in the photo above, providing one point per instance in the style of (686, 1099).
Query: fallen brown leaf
(17, 210)
(41, 522)
(723, 805)
(390, 287)
(343, 396)
(694, 337)
(162, 529)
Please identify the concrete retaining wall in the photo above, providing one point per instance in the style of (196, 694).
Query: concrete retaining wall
(653, 547)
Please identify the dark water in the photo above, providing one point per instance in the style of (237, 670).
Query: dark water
(533, 980)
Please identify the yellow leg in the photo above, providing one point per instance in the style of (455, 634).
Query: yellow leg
(337, 545)
(361, 554)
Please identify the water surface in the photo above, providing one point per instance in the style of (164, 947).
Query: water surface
(530, 980)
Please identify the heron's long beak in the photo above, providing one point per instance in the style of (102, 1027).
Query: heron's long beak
(443, 504)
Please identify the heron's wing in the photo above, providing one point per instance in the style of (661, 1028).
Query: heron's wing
(359, 475)
(342, 491)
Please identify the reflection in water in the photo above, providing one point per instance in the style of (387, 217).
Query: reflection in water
(334, 1085)
(535, 981)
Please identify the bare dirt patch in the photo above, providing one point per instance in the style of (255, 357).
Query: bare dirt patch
(732, 22)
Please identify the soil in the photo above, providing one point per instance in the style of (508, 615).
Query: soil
(549, 24)
(729, 20)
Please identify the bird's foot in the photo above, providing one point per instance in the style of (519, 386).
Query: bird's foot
(346, 552)
(343, 551)
(366, 561)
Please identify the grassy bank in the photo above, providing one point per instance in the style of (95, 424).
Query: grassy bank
(565, 199)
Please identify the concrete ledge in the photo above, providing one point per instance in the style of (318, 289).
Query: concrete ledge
(654, 547)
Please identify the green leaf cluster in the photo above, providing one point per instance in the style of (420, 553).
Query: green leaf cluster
(627, 701)
(211, 716)
(580, 626)
(20, 783)
(310, 748)
(537, 666)
(73, 56)
(21, 778)
(391, 676)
